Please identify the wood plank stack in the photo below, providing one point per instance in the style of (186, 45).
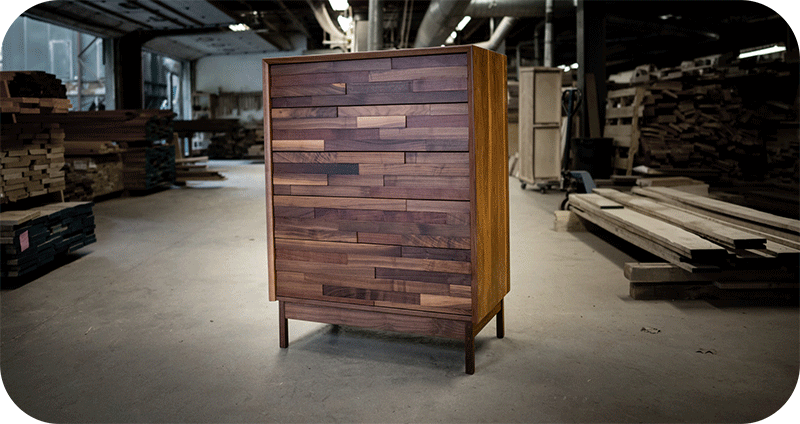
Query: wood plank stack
(712, 121)
(89, 177)
(195, 169)
(128, 128)
(711, 240)
(35, 237)
(31, 147)
(35, 84)
(148, 168)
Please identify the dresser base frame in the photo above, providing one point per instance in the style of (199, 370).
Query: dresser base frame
(459, 327)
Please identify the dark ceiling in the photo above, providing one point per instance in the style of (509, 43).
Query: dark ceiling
(663, 33)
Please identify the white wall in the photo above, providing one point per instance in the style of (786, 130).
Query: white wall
(237, 73)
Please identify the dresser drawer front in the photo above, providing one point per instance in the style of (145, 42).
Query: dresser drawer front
(371, 182)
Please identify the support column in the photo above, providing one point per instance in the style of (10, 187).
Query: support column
(375, 38)
(591, 54)
(128, 71)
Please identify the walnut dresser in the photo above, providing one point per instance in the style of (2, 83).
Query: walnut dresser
(387, 190)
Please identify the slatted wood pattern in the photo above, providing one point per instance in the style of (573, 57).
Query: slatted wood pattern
(385, 186)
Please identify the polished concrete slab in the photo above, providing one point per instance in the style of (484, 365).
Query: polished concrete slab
(166, 319)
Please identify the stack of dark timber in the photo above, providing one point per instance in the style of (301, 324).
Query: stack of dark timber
(709, 121)
(195, 169)
(88, 177)
(148, 168)
(707, 243)
(31, 151)
(236, 144)
(35, 237)
(36, 84)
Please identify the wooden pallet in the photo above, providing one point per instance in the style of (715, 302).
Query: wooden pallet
(623, 113)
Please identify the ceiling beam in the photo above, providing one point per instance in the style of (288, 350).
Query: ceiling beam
(95, 6)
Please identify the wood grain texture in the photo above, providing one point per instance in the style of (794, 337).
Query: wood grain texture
(309, 90)
(460, 145)
(381, 122)
(415, 240)
(337, 157)
(384, 216)
(321, 78)
(296, 145)
(316, 68)
(360, 99)
(489, 161)
(341, 203)
(345, 248)
(434, 121)
(432, 61)
(380, 192)
(271, 278)
(300, 179)
(310, 112)
(442, 157)
(436, 327)
(449, 72)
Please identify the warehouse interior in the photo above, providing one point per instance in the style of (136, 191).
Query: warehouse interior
(139, 231)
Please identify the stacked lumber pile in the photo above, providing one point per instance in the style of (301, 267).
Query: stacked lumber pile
(712, 121)
(236, 144)
(195, 169)
(105, 128)
(35, 237)
(701, 127)
(31, 149)
(93, 176)
(256, 151)
(148, 168)
(729, 246)
(36, 84)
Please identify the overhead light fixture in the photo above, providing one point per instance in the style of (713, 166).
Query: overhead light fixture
(463, 23)
(238, 27)
(452, 38)
(574, 65)
(339, 5)
(344, 22)
(762, 51)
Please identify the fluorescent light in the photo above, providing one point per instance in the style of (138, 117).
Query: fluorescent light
(339, 5)
(238, 27)
(760, 52)
(344, 22)
(463, 23)
(574, 65)
(452, 38)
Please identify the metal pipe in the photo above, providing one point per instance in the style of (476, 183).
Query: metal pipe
(516, 8)
(500, 34)
(548, 33)
(375, 35)
(439, 21)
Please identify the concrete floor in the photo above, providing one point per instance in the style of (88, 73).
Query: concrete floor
(166, 319)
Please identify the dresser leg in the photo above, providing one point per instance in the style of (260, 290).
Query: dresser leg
(500, 322)
(469, 349)
(283, 325)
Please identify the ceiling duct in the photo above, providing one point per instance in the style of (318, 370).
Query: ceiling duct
(442, 16)
(337, 37)
(439, 20)
(499, 34)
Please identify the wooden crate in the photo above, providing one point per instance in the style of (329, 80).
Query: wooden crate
(539, 124)
(387, 190)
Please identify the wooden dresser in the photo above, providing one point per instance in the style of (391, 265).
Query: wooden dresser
(387, 190)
